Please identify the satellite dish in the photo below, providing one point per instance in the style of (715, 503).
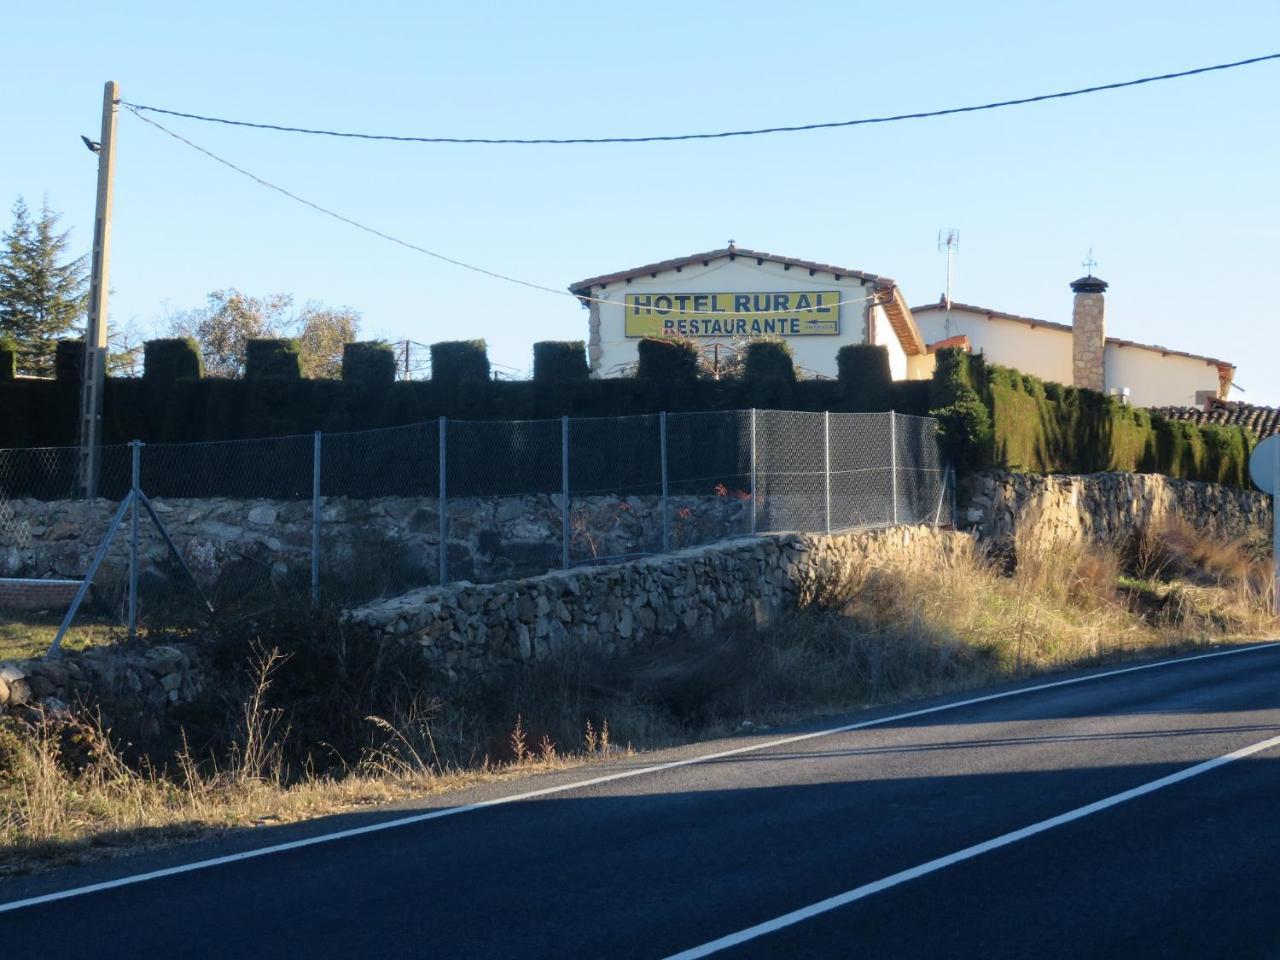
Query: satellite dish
(1264, 465)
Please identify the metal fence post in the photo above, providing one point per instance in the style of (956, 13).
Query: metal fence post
(564, 492)
(955, 520)
(1275, 534)
(666, 512)
(937, 516)
(893, 461)
(443, 499)
(315, 520)
(826, 464)
(135, 451)
(753, 470)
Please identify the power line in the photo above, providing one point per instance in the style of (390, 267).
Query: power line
(712, 136)
(440, 256)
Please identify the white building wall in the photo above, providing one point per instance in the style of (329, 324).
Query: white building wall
(741, 275)
(1043, 352)
(883, 334)
(1156, 380)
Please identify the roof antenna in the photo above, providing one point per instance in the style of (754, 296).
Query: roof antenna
(949, 243)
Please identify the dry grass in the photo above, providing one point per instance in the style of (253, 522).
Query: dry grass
(66, 789)
(22, 639)
(325, 719)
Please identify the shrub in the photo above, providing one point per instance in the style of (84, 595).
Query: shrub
(963, 418)
(8, 357)
(273, 358)
(68, 362)
(369, 363)
(556, 361)
(768, 360)
(668, 359)
(864, 376)
(458, 362)
(166, 360)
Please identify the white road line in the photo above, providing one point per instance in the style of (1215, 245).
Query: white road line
(594, 781)
(968, 853)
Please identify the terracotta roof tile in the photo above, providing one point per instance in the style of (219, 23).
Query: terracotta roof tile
(1260, 421)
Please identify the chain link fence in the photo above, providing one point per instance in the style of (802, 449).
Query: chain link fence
(341, 518)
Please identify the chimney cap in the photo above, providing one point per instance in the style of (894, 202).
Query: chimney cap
(1089, 284)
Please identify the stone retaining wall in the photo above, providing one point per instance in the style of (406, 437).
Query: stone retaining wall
(1107, 506)
(468, 629)
(372, 545)
(119, 678)
(620, 608)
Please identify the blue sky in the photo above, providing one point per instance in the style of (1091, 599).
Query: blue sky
(1174, 185)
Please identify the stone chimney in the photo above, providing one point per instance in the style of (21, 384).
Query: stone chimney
(1088, 334)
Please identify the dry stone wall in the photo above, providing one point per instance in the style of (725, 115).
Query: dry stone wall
(374, 544)
(1106, 506)
(468, 629)
(124, 678)
(622, 607)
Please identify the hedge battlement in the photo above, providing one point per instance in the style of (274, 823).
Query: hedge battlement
(173, 402)
(990, 416)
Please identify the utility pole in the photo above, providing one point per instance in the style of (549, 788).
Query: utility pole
(93, 376)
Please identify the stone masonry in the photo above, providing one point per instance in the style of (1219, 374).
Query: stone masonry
(1104, 507)
(471, 627)
(123, 678)
(375, 544)
(1089, 334)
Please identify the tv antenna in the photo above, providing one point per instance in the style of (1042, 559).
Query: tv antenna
(949, 243)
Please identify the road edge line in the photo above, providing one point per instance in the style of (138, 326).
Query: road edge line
(595, 781)
(968, 853)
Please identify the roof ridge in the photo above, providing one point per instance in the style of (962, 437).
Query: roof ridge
(583, 287)
(1054, 325)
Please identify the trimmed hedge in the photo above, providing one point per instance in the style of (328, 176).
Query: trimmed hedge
(768, 360)
(865, 380)
(559, 361)
(1048, 428)
(279, 358)
(368, 364)
(667, 360)
(68, 360)
(458, 362)
(988, 416)
(956, 401)
(166, 360)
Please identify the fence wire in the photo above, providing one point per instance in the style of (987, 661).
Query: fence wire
(347, 517)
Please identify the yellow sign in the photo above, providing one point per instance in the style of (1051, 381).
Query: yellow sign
(792, 314)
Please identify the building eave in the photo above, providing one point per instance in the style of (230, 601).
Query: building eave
(583, 288)
(1222, 365)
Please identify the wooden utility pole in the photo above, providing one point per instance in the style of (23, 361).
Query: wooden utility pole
(94, 374)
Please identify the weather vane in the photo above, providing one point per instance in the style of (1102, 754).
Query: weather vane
(1089, 263)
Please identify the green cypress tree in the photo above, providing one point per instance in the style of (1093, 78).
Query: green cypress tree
(42, 294)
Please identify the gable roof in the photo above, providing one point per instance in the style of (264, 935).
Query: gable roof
(583, 287)
(894, 304)
(1049, 324)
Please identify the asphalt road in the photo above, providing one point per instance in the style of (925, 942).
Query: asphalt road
(741, 856)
